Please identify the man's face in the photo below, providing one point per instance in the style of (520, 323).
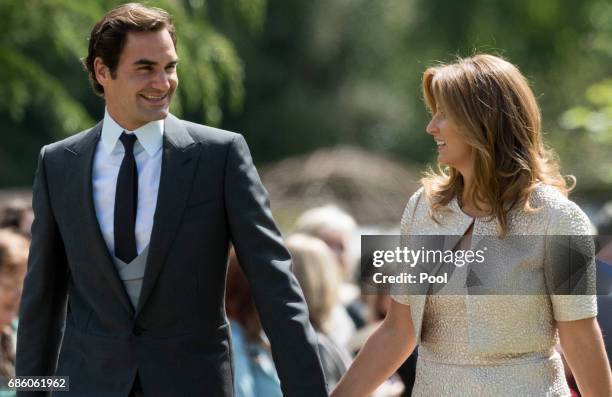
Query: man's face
(145, 79)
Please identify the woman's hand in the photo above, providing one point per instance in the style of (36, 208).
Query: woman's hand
(584, 351)
(385, 350)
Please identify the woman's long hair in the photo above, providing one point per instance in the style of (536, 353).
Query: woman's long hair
(492, 106)
(318, 272)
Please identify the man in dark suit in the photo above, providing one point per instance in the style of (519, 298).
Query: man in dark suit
(133, 220)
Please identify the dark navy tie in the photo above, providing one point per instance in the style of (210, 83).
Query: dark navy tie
(126, 202)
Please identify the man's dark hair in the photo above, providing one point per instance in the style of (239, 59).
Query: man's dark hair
(109, 35)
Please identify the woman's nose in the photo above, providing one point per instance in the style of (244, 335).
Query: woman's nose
(431, 127)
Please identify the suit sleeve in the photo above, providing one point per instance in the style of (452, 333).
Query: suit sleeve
(42, 311)
(267, 265)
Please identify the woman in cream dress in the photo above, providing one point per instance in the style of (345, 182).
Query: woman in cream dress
(498, 181)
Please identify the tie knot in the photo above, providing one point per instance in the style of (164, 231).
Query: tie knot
(128, 141)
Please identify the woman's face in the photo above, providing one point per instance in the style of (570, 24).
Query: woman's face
(453, 150)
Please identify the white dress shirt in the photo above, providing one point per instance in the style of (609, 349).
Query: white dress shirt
(107, 161)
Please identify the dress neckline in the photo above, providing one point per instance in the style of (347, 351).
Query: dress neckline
(454, 205)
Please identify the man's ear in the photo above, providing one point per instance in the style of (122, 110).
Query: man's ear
(102, 72)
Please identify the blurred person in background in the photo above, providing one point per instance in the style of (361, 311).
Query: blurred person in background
(17, 214)
(314, 265)
(497, 179)
(254, 371)
(337, 228)
(13, 262)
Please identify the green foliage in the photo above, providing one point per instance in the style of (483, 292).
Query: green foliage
(318, 72)
(587, 125)
(329, 72)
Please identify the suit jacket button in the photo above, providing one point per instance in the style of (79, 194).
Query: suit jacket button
(138, 330)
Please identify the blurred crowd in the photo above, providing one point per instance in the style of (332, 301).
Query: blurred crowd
(15, 222)
(324, 245)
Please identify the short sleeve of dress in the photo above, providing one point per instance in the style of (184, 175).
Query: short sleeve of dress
(570, 264)
(406, 229)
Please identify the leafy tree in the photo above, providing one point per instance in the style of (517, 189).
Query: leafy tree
(588, 124)
(331, 72)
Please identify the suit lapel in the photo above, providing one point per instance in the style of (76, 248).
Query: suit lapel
(179, 162)
(79, 199)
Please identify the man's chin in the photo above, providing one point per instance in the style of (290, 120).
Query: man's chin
(156, 114)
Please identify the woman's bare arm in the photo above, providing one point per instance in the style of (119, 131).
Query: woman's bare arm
(385, 350)
(584, 351)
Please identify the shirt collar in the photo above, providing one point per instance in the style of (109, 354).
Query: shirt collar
(150, 136)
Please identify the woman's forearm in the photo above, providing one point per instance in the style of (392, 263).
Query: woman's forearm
(584, 351)
(385, 350)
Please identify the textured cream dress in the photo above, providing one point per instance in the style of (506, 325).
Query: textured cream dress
(502, 345)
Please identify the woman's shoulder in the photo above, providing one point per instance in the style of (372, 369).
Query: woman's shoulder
(548, 197)
(417, 198)
(562, 214)
(553, 201)
(416, 204)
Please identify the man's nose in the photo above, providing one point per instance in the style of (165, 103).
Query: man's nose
(161, 81)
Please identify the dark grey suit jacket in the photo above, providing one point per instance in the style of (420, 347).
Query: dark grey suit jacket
(177, 339)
